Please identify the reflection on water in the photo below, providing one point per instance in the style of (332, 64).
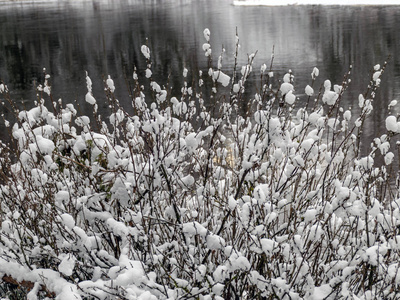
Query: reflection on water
(69, 37)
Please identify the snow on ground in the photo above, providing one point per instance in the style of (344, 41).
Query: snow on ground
(313, 2)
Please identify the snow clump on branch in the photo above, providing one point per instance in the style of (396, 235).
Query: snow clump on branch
(190, 197)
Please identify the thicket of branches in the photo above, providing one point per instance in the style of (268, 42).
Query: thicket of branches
(184, 200)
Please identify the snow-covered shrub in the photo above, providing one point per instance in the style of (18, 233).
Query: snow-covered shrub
(181, 200)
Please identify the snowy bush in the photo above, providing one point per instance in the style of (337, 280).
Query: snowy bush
(181, 200)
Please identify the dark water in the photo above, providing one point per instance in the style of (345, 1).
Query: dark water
(104, 38)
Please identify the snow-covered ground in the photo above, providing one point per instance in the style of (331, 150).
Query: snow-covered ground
(314, 2)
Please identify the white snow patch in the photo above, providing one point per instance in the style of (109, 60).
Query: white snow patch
(221, 77)
(145, 51)
(194, 228)
(90, 99)
(310, 215)
(68, 220)
(392, 103)
(215, 242)
(290, 98)
(392, 124)
(110, 84)
(286, 88)
(309, 90)
(148, 73)
(268, 246)
(389, 158)
(67, 265)
(207, 34)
